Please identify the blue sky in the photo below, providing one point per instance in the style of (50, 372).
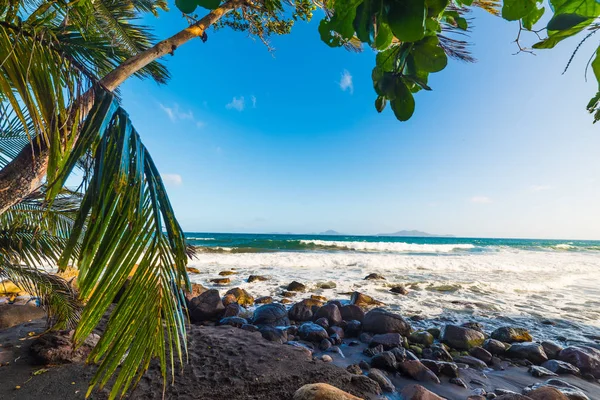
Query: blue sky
(250, 141)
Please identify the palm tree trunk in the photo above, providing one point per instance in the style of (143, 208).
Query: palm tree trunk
(26, 172)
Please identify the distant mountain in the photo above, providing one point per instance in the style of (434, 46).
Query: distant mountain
(331, 233)
(412, 233)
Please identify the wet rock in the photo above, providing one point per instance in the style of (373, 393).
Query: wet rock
(421, 337)
(233, 321)
(57, 348)
(561, 367)
(476, 326)
(354, 369)
(273, 334)
(192, 270)
(228, 299)
(513, 396)
(227, 273)
(371, 351)
(477, 397)
(547, 393)
(336, 331)
(551, 349)
(12, 315)
(318, 298)
(326, 285)
(301, 312)
(540, 372)
(435, 332)
(285, 301)
(437, 352)
(374, 277)
(458, 382)
(331, 312)
(197, 290)
(326, 358)
(533, 352)
(511, 334)
(482, 354)
(325, 345)
(250, 328)
(232, 310)
(379, 320)
(287, 293)
(587, 359)
(571, 391)
(206, 307)
(312, 332)
(448, 369)
(352, 312)
(264, 300)
(271, 314)
(257, 278)
(471, 362)
(399, 289)
(296, 286)
(322, 391)
(399, 353)
(385, 360)
(418, 392)
(221, 281)
(384, 382)
(387, 340)
(352, 328)
(363, 300)
(462, 338)
(416, 350)
(495, 347)
(242, 297)
(417, 371)
(322, 322)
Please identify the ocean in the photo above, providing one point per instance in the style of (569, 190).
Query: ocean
(550, 286)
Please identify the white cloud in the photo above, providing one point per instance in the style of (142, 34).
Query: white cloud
(253, 98)
(175, 114)
(172, 179)
(540, 188)
(236, 104)
(346, 82)
(481, 200)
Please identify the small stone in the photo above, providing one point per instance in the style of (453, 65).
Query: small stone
(370, 352)
(322, 322)
(385, 360)
(551, 349)
(435, 332)
(273, 334)
(285, 301)
(227, 273)
(264, 300)
(352, 312)
(462, 338)
(287, 293)
(221, 281)
(482, 354)
(399, 289)
(331, 312)
(301, 312)
(364, 365)
(352, 328)
(379, 320)
(374, 276)
(271, 314)
(365, 337)
(241, 296)
(448, 369)
(561, 367)
(437, 352)
(257, 278)
(233, 321)
(326, 285)
(511, 334)
(383, 381)
(192, 270)
(326, 358)
(324, 345)
(458, 382)
(197, 290)
(232, 310)
(416, 370)
(421, 337)
(387, 340)
(495, 347)
(540, 372)
(363, 300)
(471, 362)
(533, 352)
(318, 298)
(296, 286)
(312, 332)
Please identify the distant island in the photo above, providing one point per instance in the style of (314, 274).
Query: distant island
(331, 233)
(412, 233)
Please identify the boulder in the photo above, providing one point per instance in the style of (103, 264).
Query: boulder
(221, 281)
(551, 349)
(384, 382)
(12, 314)
(385, 360)
(233, 321)
(312, 332)
(587, 359)
(421, 337)
(561, 367)
(572, 392)
(417, 371)
(482, 354)
(418, 392)
(437, 352)
(301, 312)
(511, 334)
(547, 393)
(354, 369)
(57, 348)
(540, 372)
(273, 314)
(399, 289)
(387, 340)
(448, 369)
(366, 384)
(352, 312)
(273, 334)
(232, 310)
(331, 312)
(227, 273)
(374, 277)
(296, 286)
(379, 320)
(229, 299)
(318, 298)
(257, 278)
(242, 297)
(197, 290)
(471, 362)
(533, 352)
(322, 322)
(264, 300)
(326, 285)
(322, 391)
(363, 300)
(352, 328)
(206, 307)
(462, 338)
(495, 347)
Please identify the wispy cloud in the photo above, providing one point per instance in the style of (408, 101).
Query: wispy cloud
(236, 104)
(480, 200)
(172, 179)
(346, 82)
(540, 188)
(253, 98)
(176, 114)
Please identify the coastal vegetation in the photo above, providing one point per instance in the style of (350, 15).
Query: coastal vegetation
(61, 63)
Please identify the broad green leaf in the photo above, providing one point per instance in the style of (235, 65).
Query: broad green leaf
(384, 36)
(514, 10)
(386, 86)
(462, 23)
(386, 60)
(533, 17)
(428, 56)
(363, 22)
(556, 37)
(212, 4)
(404, 103)
(586, 8)
(186, 6)
(407, 19)
(596, 65)
(380, 103)
(435, 7)
(561, 22)
(341, 23)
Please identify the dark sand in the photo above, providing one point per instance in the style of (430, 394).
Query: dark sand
(224, 363)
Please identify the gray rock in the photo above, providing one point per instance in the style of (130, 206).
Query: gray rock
(462, 338)
(458, 382)
(273, 334)
(296, 287)
(533, 352)
(417, 371)
(233, 321)
(374, 276)
(301, 312)
(482, 354)
(551, 349)
(540, 372)
(387, 340)
(257, 278)
(399, 289)
(206, 307)
(384, 382)
(471, 362)
(385, 360)
(326, 285)
(571, 391)
(312, 332)
(437, 352)
(331, 312)
(379, 320)
(586, 358)
(495, 347)
(421, 337)
(561, 367)
(352, 328)
(274, 314)
(352, 312)
(510, 334)
(448, 369)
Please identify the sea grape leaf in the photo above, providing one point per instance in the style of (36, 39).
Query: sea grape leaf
(462, 23)
(209, 4)
(186, 6)
(514, 10)
(435, 7)
(363, 22)
(561, 22)
(341, 22)
(404, 103)
(586, 8)
(429, 56)
(384, 36)
(596, 65)
(380, 103)
(533, 17)
(556, 37)
(406, 18)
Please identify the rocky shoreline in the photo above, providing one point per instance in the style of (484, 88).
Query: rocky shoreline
(259, 348)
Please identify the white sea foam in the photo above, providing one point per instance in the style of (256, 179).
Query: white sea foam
(390, 246)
